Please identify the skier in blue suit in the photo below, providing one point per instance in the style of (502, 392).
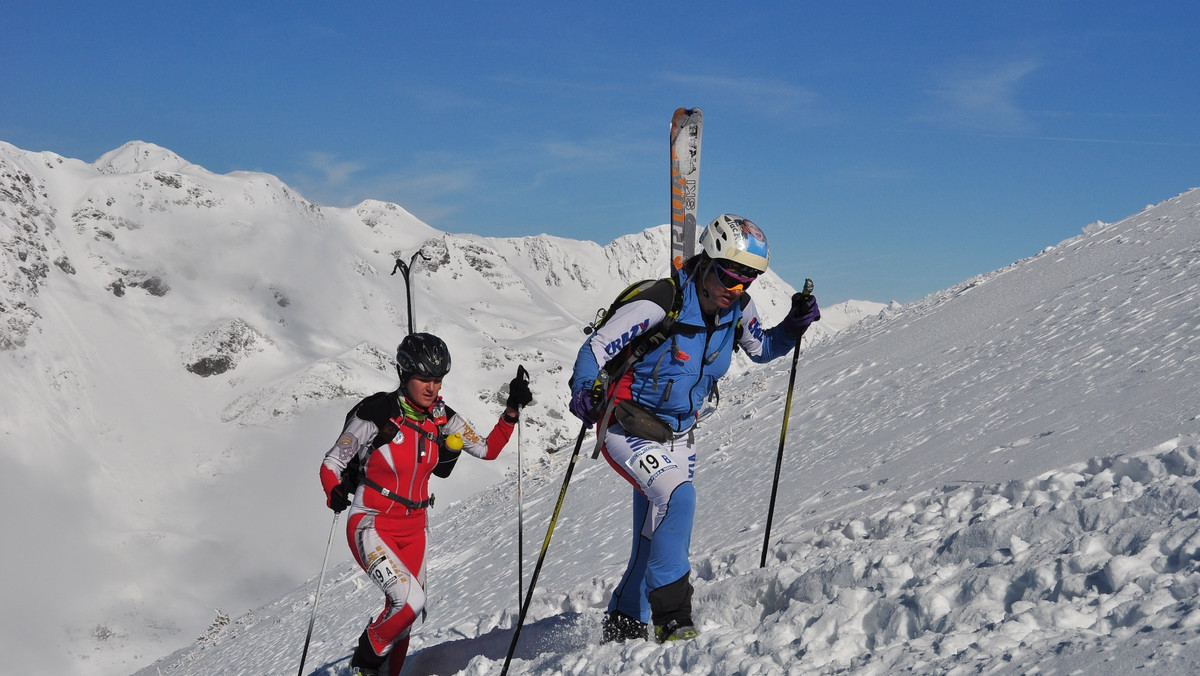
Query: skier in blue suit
(648, 434)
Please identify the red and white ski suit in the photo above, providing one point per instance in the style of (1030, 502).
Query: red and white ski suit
(386, 524)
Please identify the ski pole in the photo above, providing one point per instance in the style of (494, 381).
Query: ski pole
(787, 412)
(524, 375)
(404, 268)
(537, 569)
(317, 598)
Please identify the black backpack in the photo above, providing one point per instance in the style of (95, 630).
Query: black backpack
(667, 294)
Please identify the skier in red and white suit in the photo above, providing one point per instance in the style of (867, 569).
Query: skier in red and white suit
(402, 437)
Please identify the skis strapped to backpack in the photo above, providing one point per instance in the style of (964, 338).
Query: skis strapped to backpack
(686, 130)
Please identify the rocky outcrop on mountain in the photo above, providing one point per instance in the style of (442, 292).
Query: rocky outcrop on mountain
(223, 347)
(26, 242)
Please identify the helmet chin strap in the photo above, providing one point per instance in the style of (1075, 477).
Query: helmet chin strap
(703, 276)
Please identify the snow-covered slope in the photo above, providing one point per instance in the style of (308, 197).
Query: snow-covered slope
(1000, 478)
(178, 349)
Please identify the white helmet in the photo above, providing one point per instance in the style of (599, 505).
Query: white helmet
(736, 239)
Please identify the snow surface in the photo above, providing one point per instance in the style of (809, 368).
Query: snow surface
(999, 478)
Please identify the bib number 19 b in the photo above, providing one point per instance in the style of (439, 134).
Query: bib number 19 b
(647, 465)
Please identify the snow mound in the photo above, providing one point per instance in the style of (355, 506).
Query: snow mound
(1065, 563)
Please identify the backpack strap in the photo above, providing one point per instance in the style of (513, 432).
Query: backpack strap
(410, 504)
(668, 295)
(379, 408)
(447, 457)
(739, 329)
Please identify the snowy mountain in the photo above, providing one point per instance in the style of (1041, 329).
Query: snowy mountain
(178, 350)
(1000, 478)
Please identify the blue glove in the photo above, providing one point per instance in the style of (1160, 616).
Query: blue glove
(583, 405)
(803, 313)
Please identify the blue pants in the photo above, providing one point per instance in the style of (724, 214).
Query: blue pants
(664, 506)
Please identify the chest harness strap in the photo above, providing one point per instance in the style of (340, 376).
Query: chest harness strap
(398, 498)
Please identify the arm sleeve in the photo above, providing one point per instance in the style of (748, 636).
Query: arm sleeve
(763, 345)
(484, 448)
(628, 322)
(348, 445)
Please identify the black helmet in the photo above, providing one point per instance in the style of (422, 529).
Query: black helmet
(422, 354)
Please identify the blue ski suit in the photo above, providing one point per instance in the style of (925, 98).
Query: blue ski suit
(672, 381)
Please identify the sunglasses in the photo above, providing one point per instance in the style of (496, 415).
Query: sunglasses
(732, 276)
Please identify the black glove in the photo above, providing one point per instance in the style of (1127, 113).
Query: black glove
(519, 395)
(338, 500)
(803, 313)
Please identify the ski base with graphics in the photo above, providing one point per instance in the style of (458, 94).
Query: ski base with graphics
(687, 124)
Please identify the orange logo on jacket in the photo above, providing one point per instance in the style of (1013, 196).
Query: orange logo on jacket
(470, 435)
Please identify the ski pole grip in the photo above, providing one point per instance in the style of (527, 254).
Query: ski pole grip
(808, 287)
(599, 388)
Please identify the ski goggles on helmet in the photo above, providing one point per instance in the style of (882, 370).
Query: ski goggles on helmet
(732, 275)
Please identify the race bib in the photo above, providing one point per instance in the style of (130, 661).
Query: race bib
(648, 464)
(383, 573)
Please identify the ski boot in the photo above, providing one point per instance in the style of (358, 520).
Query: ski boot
(619, 627)
(674, 630)
(365, 662)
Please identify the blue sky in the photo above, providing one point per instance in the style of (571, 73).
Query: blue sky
(888, 149)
